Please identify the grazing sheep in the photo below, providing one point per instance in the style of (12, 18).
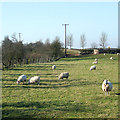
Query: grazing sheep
(111, 58)
(96, 60)
(54, 67)
(21, 78)
(63, 75)
(35, 79)
(118, 53)
(106, 86)
(93, 67)
(104, 54)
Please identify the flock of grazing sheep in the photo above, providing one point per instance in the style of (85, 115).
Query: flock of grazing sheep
(106, 85)
(36, 79)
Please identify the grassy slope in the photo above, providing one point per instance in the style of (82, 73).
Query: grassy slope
(72, 51)
(78, 97)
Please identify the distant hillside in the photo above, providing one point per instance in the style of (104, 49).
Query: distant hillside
(73, 52)
(76, 52)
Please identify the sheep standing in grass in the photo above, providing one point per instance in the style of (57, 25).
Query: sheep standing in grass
(54, 67)
(93, 67)
(21, 78)
(106, 86)
(104, 53)
(35, 79)
(111, 58)
(96, 61)
(63, 75)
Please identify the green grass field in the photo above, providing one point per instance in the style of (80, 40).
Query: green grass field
(79, 96)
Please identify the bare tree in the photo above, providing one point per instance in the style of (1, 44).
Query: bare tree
(83, 41)
(94, 45)
(103, 40)
(70, 40)
(47, 42)
(14, 38)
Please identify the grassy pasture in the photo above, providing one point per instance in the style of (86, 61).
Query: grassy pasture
(72, 51)
(80, 96)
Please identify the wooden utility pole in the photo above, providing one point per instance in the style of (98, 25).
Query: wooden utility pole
(19, 36)
(65, 37)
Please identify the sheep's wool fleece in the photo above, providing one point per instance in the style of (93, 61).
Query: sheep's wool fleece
(92, 67)
(34, 79)
(108, 86)
(22, 78)
(63, 75)
(54, 66)
(96, 59)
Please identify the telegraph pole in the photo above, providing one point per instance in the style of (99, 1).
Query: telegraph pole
(19, 36)
(65, 37)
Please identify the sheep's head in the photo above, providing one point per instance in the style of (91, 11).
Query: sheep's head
(59, 77)
(18, 82)
(105, 82)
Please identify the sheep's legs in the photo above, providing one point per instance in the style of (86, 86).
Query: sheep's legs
(38, 83)
(106, 93)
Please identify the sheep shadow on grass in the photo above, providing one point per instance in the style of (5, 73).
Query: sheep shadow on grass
(117, 93)
(46, 83)
(41, 85)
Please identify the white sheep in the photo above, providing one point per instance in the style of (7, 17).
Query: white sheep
(93, 67)
(96, 60)
(106, 86)
(21, 78)
(111, 58)
(35, 79)
(63, 75)
(54, 67)
(118, 53)
(104, 54)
